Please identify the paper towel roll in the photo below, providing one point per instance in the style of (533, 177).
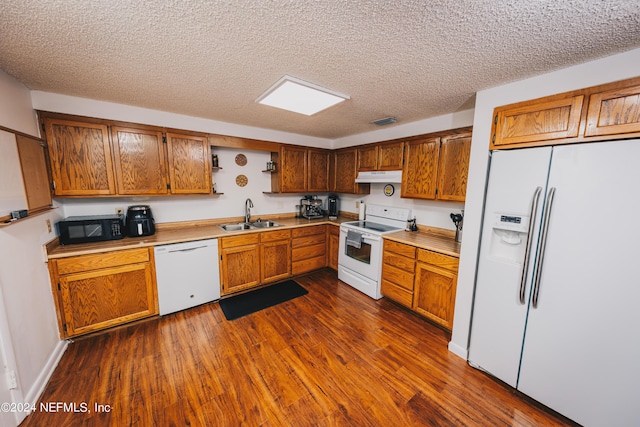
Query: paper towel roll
(361, 213)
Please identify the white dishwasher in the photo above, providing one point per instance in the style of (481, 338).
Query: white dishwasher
(187, 274)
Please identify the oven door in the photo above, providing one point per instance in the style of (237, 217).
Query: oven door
(365, 260)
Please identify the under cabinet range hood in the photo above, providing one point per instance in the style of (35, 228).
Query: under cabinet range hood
(384, 177)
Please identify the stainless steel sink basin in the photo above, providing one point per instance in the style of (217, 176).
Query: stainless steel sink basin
(236, 227)
(265, 224)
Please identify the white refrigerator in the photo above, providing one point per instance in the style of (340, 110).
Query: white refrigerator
(557, 301)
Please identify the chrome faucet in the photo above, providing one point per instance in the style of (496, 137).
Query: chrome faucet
(248, 204)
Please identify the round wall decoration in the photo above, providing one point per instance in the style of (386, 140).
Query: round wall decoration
(389, 190)
(241, 180)
(241, 160)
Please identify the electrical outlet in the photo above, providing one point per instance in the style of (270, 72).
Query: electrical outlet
(119, 211)
(48, 226)
(357, 204)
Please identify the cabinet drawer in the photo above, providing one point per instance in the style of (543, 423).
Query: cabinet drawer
(272, 236)
(244, 240)
(309, 264)
(308, 252)
(401, 262)
(103, 260)
(308, 231)
(300, 242)
(400, 248)
(443, 261)
(396, 293)
(401, 278)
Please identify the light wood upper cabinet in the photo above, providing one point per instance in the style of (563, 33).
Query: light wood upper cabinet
(381, 157)
(98, 291)
(453, 167)
(293, 169)
(615, 111)
(33, 164)
(344, 172)
(420, 172)
(189, 159)
(80, 156)
(140, 162)
(537, 121)
(367, 158)
(318, 179)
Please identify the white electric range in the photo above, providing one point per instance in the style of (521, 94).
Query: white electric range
(360, 257)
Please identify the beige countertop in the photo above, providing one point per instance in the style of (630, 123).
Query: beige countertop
(433, 239)
(179, 232)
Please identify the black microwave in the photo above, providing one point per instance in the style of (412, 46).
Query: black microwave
(92, 228)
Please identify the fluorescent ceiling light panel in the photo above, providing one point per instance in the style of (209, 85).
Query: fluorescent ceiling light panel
(292, 94)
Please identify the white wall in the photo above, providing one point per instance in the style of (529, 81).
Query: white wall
(605, 70)
(24, 279)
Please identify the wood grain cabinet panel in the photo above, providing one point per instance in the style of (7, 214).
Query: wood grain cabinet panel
(33, 164)
(293, 169)
(344, 172)
(239, 262)
(275, 255)
(420, 172)
(189, 159)
(333, 246)
(615, 111)
(318, 179)
(536, 121)
(308, 249)
(398, 268)
(435, 287)
(140, 163)
(390, 156)
(367, 158)
(453, 167)
(98, 291)
(80, 157)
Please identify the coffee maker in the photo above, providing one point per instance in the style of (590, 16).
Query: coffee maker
(311, 207)
(139, 221)
(333, 207)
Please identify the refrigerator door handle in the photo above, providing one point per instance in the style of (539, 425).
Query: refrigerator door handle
(543, 244)
(527, 250)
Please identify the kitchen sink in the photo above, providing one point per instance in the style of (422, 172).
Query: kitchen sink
(265, 224)
(249, 225)
(237, 227)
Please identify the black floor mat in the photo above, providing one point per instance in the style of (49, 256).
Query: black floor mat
(260, 299)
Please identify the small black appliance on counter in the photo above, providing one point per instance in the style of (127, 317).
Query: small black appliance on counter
(139, 221)
(333, 207)
(90, 228)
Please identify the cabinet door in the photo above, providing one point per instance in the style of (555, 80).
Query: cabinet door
(614, 111)
(139, 159)
(454, 167)
(189, 164)
(390, 156)
(98, 299)
(333, 246)
(33, 164)
(240, 268)
(420, 169)
(435, 293)
(276, 260)
(537, 122)
(368, 158)
(80, 157)
(318, 179)
(344, 173)
(293, 170)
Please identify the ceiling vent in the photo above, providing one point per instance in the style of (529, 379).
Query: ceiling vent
(384, 121)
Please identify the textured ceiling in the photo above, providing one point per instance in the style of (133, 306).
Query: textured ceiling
(212, 59)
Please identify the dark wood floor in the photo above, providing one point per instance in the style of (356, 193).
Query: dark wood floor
(331, 357)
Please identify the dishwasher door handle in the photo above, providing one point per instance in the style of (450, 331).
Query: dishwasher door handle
(187, 249)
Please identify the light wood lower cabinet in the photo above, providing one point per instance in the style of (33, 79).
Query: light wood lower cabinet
(308, 249)
(398, 269)
(275, 255)
(98, 291)
(422, 280)
(239, 262)
(333, 246)
(435, 287)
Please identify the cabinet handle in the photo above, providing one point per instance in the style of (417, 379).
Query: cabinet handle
(527, 250)
(543, 245)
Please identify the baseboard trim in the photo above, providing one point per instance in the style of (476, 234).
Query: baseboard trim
(457, 350)
(41, 382)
